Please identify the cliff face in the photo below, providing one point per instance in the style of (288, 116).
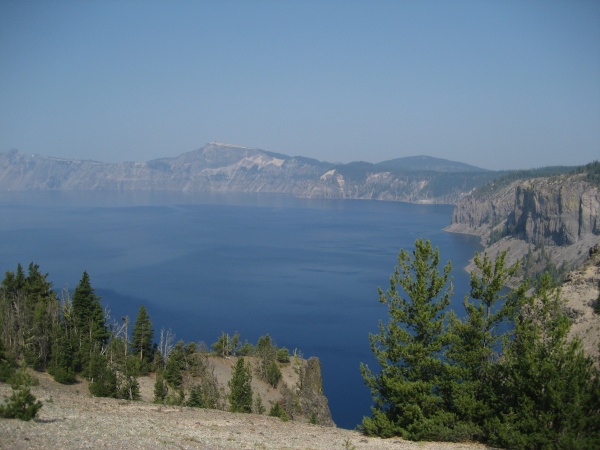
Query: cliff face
(306, 399)
(557, 211)
(545, 211)
(224, 168)
(545, 222)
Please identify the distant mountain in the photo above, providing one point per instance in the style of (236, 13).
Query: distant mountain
(219, 167)
(429, 163)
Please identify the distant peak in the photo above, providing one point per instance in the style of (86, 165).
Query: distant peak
(223, 144)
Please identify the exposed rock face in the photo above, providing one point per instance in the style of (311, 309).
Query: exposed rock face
(225, 168)
(558, 211)
(311, 393)
(480, 215)
(546, 223)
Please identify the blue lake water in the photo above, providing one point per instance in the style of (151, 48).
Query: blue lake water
(304, 271)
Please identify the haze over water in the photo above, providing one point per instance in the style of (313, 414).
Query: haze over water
(305, 271)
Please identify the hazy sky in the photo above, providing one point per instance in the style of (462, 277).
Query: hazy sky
(499, 84)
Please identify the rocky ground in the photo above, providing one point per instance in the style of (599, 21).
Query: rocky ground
(71, 419)
(581, 292)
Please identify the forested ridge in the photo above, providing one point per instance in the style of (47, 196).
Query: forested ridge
(72, 336)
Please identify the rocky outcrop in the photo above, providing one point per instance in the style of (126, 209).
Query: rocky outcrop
(305, 401)
(559, 211)
(556, 211)
(547, 223)
(220, 167)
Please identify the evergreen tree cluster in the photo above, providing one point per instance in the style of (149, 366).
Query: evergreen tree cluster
(505, 373)
(70, 336)
(269, 355)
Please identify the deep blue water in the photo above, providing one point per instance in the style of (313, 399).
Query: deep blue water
(304, 271)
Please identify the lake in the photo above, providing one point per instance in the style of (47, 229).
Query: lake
(305, 271)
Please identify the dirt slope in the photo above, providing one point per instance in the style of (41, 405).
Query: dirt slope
(71, 419)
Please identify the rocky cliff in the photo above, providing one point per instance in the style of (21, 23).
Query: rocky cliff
(225, 168)
(548, 223)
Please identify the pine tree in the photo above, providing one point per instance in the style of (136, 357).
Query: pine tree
(28, 312)
(546, 387)
(103, 378)
(409, 348)
(195, 399)
(226, 345)
(62, 366)
(8, 365)
(475, 343)
(240, 388)
(160, 388)
(88, 317)
(21, 404)
(173, 373)
(141, 339)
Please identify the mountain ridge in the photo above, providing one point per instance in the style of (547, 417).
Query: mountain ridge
(219, 167)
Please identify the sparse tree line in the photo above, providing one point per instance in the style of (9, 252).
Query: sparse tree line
(505, 373)
(71, 335)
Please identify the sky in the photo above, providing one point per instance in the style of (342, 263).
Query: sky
(497, 84)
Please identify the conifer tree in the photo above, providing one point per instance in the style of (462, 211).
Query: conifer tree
(409, 347)
(28, 313)
(546, 387)
(45, 308)
(195, 399)
(103, 378)
(91, 333)
(21, 404)
(173, 372)
(160, 388)
(62, 364)
(475, 342)
(7, 364)
(141, 338)
(240, 388)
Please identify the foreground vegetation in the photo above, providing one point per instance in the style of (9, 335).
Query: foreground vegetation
(74, 336)
(504, 374)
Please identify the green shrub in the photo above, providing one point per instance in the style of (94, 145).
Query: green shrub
(8, 364)
(64, 375)
(283, 355)
(195, 400)
(21, 404)
(273, 374)
(278, 411)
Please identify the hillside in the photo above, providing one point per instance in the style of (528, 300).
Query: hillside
(221, 167)
(581, 293)
(424, 162)
(71, 419)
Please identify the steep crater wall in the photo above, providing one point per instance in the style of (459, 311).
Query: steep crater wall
(546, 223)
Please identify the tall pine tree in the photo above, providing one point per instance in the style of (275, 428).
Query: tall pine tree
(409, 347)
(476, 341)
(141, 339)
(240, 388)
(91, 332)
